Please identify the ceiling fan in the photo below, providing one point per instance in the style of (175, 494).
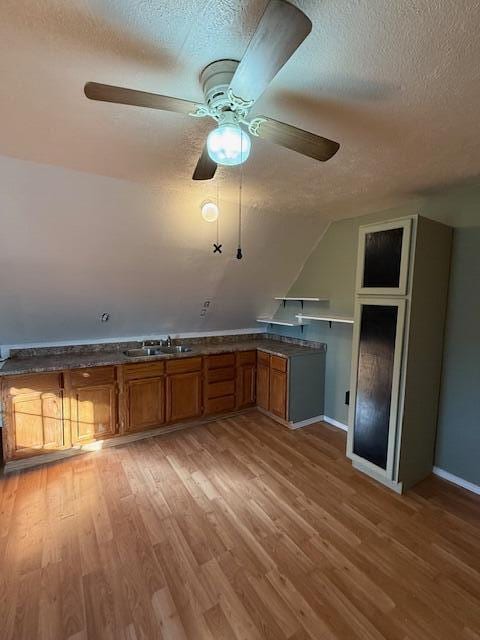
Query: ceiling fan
(231, 88)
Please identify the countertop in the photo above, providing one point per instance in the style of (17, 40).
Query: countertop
(63, 361)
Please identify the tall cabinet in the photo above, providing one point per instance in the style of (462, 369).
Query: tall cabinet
(400, 304)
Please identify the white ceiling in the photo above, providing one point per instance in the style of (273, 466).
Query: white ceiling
(113, 224)
(396, 83)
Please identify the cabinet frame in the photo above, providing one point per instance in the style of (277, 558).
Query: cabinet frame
(395, 403)
(401, 290)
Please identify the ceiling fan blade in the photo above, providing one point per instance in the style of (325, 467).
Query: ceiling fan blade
(281, 29)
(304, 142)
(206, 167)
(121, 95)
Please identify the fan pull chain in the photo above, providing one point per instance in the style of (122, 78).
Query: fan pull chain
(239, 250)
(217, 247)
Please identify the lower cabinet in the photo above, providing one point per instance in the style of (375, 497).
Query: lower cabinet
(184, 396)
(93, 403)
(278, 393)
(272, 384)
(246, 383)
(145, 400)
(93, 413)
(53, 411)
(263, 381)
(219, 383)
(35, 415)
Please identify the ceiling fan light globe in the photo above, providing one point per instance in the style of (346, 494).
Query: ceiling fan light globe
(228, 144)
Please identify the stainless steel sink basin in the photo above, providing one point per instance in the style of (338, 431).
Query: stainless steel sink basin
(179, 348)
(143, 352)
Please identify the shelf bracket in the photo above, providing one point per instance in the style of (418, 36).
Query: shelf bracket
(284, 303)
(301, 302)
(330, 324)
(301, 328)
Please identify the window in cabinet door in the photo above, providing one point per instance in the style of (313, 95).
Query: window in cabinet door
(383, 258)
(378, 345)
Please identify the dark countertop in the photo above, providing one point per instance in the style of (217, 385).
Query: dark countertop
(59, 362)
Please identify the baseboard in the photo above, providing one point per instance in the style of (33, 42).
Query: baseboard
(465, 484)
(335, 423)
(287, 423)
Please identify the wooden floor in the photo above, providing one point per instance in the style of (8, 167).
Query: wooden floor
(239, 529)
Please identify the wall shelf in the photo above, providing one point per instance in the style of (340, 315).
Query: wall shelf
(329, 319)
(301, 300)
(283, 324)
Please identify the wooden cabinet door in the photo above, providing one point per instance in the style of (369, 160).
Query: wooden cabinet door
(37, 421)
(93, 414)
(184, 396)
(278, 393)
(34, 417)
(145, 403)
(246, 385)
(263, 386)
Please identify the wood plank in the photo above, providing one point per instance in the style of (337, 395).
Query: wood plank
(235, 529)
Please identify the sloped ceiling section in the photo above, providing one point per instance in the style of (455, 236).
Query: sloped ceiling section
(74, 246)
(98, 212)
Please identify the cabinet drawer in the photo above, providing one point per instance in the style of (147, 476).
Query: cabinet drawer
(15, 385)
(91, 376)
(183, 365)
(221, 360)
(218, 389)
(143, 370)
(217, 375)
(278, 363)
(218, 405)
(246, 357)
(263, 358)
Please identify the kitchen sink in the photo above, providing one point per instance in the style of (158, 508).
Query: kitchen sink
(179, 348)
(145, 352)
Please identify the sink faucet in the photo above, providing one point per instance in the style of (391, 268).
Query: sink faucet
(168, 341)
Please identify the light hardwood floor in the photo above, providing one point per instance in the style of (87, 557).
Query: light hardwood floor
(239, 529)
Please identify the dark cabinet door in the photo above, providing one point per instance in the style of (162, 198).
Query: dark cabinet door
(376, 381)
(383, 258)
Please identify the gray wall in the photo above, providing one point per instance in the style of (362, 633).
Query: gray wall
(330, 271)
(458, 439)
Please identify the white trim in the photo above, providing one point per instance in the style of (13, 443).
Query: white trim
(343, 319)
(287, 423)
(335, 423)
(153, 336)
(465, 484)
(379, 477)
(288, 299)
(305, 423)
(283, 324)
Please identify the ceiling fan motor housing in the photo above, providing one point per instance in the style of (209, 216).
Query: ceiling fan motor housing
(215, 80)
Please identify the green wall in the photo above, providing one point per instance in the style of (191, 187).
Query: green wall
(330, 272)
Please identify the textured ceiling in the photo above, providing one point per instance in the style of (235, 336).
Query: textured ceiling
(98, 210)
(396, 83)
